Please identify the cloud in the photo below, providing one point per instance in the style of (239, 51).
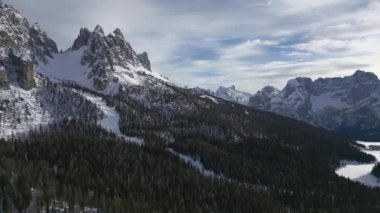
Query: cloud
(249, 48)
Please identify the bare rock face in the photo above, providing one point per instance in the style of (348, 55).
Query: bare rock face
(82, 40)
(144, 59)
(41, 44)
(21, 46)
(4, 81)
(24, 71)
(26, 75)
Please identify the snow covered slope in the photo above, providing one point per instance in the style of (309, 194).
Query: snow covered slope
(110, 120)
(101, 63)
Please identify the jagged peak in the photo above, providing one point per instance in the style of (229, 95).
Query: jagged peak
(144, 60)
(99, 30)
(117, 32)
(82, 39)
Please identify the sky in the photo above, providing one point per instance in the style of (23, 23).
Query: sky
(212, 43)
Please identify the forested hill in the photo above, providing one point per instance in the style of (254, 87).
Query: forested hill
(75, 166)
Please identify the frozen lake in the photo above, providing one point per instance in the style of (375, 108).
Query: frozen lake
(361, 172)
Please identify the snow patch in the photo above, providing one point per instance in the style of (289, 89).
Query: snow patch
(111, 118)
(210, 98)
(361, 172)
(196, 164)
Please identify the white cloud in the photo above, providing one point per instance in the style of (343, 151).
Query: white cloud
(246, 49)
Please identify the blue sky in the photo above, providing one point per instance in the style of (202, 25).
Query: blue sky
(248, 43)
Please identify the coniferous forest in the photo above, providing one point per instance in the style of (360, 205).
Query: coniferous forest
(263, 162)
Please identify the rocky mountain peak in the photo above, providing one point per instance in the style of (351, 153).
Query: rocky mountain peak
(233, 94)
(144, 59)
(365, 77)
(117, 32)
(108, 56)
(261, 100)
(21, 46)
(82, 39)
(98, 30)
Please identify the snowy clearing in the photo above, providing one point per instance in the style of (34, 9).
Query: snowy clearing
(196, 164)
(361, 172)
(111, 118)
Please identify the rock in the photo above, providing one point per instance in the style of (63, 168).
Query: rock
(233, 94)
(25, 75)
(104, 54)
(144, 59)
(25, 72)
(100, 84)
(41, 43)
(261, 100)
(82, 40)
(4, 81)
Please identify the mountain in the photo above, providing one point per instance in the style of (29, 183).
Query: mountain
(95, 129)
(101, 62)
(262, 98)
(34, 76)
(21, 46)
(233, 94)
(350, 105)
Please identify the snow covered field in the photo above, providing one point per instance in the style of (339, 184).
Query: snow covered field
(361, 172)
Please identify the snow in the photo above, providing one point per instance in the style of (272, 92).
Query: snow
(327, 100)
(234, 95)
(67, 67)
(196, 164)
(210, 98)
(361, 172)
(111, 119)
(25, 112)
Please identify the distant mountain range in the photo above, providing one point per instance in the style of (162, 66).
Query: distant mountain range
(349, 105)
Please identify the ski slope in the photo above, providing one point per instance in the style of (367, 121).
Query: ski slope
(110, 122)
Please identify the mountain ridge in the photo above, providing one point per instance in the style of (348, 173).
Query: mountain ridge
(348, 105)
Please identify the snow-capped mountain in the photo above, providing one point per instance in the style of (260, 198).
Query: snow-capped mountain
(40, 86)
(350, 104)
(101, 62)
(233, 94)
